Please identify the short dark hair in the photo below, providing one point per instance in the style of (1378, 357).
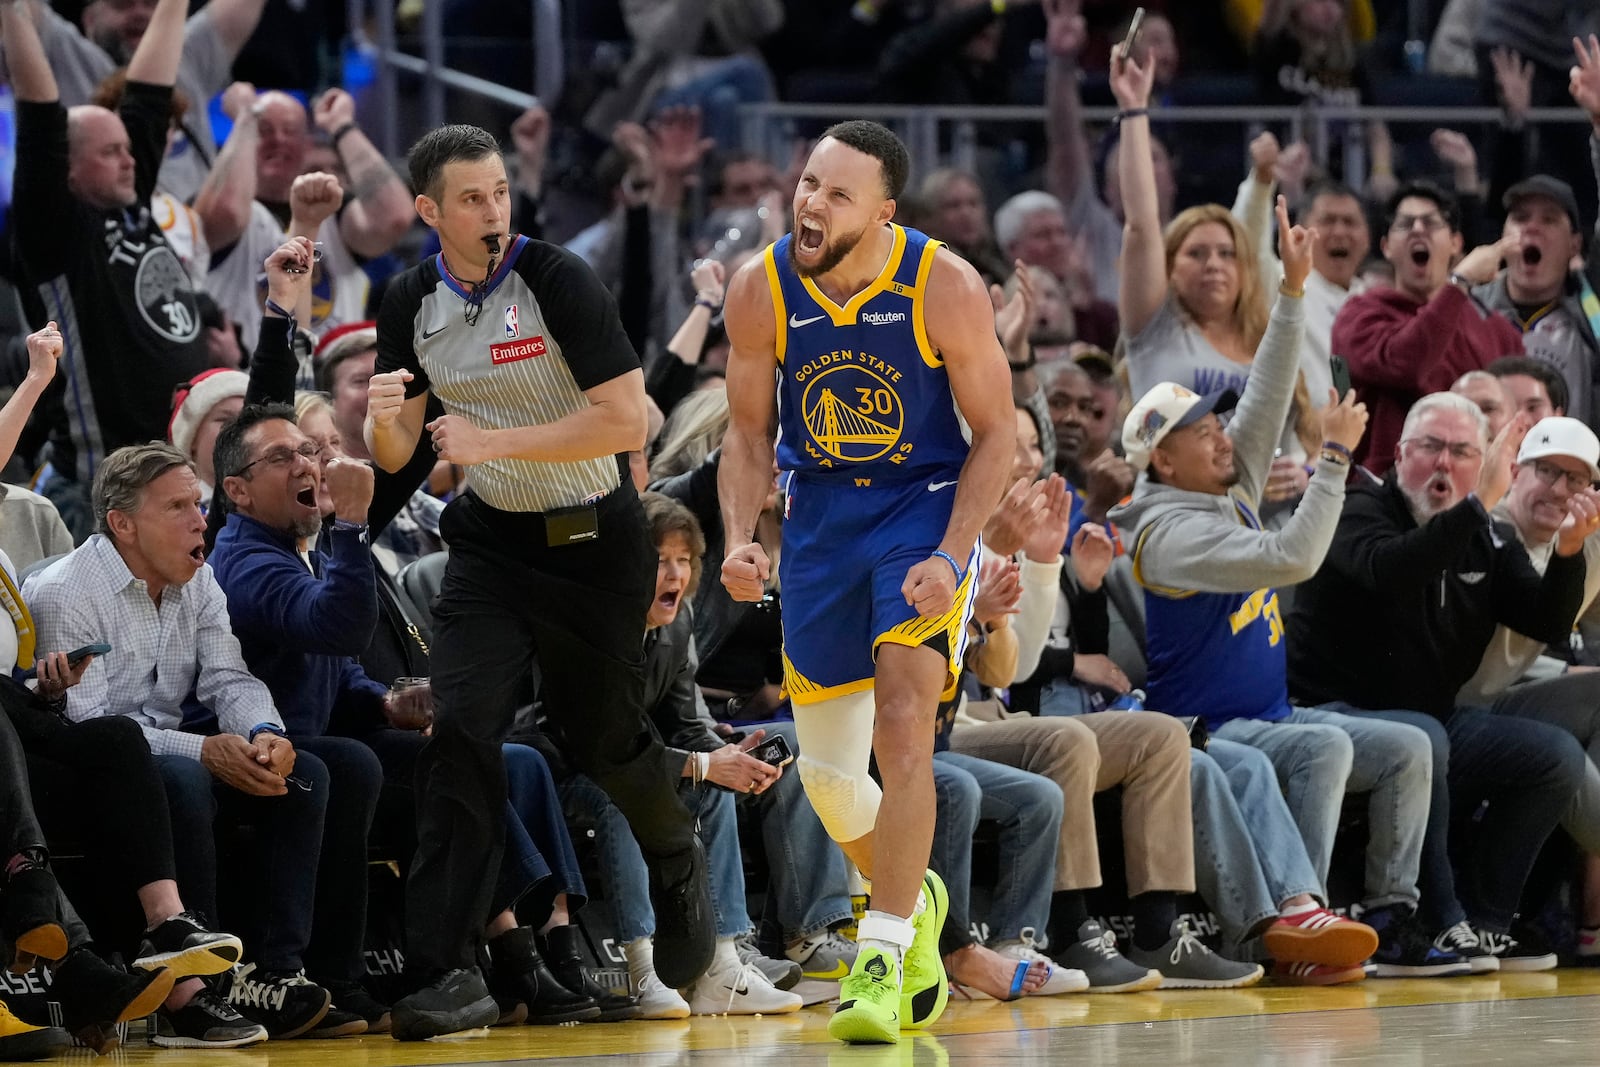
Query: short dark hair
(231, 455)
(1324, 187)
(1426, 191)
(120, 482)
(1554, 384)
(879, 142)
(448, 144)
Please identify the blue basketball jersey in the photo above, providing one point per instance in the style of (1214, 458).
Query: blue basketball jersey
(861, 392)
(1217, 655)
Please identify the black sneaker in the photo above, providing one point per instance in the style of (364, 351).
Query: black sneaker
(207, 1021)
(30, 918)
(185, 945)
(1524, 948)
(288, 1005)
(354, 998)
(338, 1023)
(686, 935)
(1404, 950)
(1464, 941)
(95, 997)
(452, 1001)
(566, 963)
(518, 970)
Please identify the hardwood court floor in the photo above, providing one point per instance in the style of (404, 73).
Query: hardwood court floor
(1546, 1019)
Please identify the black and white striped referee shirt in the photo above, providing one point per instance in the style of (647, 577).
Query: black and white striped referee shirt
(547, 330)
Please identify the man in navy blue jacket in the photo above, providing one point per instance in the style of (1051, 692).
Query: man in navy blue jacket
(302, 608)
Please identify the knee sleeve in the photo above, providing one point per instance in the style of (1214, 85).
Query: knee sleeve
(835, 738)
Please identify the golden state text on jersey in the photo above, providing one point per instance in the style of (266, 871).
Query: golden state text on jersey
(861, 392)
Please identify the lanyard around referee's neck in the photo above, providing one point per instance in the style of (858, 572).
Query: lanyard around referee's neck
(477, 292)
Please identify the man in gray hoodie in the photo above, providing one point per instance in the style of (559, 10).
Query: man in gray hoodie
(1215, 633)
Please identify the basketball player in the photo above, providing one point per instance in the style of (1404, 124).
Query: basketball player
(881, 343)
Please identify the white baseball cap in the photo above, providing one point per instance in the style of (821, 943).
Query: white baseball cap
(1166, 407)
(1561, 436)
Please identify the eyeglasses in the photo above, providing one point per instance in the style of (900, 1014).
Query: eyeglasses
(283, 457)
(1551, 475)
(1432, 223)
(1432, 446)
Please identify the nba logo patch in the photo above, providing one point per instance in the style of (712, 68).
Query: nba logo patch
(511, 320)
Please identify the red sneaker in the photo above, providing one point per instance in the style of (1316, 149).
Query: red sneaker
(1317, 974)
(1320, 936)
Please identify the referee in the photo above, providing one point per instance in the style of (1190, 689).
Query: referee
(550, 553)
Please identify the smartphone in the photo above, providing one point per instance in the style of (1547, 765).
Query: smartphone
(1126, 51)
(1341, 375)
(75, 657)
(774, 751)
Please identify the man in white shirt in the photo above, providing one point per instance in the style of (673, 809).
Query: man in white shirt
(141, 583)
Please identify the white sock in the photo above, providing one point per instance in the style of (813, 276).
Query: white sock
(725, 959)
(1298, 909)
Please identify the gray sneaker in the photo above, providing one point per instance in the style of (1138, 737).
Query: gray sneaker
(784, 974)
(1095, 954)
(826, 956)
(1186, 963)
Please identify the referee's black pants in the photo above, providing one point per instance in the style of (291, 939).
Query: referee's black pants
(507, 596)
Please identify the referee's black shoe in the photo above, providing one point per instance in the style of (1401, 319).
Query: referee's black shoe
(452, 1001)
(686, 935)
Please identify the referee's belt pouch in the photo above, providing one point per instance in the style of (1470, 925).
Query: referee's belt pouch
(571, 526)
(1199, 736)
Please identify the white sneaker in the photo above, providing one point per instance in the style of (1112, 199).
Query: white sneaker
(1061, 979)
(656, 1001)
(741, 990)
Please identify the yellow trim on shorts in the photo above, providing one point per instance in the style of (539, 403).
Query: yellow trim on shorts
(803, 690)
(953, 624)
(780, 320)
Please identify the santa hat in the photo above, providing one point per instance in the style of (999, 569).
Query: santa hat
(194, 398)
(339, 344)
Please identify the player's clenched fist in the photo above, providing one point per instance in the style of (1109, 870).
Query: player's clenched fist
(386, 395)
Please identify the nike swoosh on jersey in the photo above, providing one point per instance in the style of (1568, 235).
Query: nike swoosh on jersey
(934, 487)
(795, 322)
(429, 333)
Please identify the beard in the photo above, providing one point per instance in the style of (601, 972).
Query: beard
(308, 527)
(832, 254)
(1422, 507)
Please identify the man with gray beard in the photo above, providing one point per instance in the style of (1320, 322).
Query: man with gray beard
(1418, 568)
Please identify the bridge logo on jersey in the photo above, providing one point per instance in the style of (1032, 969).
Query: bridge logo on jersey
(853, 413)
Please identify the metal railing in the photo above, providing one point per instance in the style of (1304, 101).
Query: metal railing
(948, 136)
(546, 75)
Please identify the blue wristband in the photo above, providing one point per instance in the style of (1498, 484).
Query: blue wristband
(948, 558)
(266, 728)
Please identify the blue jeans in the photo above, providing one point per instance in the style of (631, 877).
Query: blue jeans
(623, 868)
(1570, 702)
(288, 842)
(1528, 773)
(809, 890)
(539, 857)
(1320, 755)
(1248, 855)
(1028, 808)
(339, 924)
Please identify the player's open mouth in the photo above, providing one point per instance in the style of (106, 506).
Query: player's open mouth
(198, 554)
(668, 600)
(1420, 254)
(810, 236)
(307, 497)
(1531, 255)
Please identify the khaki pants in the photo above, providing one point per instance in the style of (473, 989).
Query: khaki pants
(1147, 753)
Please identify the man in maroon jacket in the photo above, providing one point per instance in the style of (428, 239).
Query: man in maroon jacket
(1427, 331)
